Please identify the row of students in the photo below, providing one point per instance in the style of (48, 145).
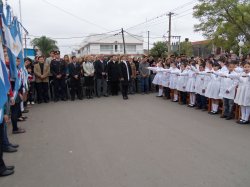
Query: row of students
(217, 81)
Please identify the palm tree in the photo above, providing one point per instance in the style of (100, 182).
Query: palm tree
(45, 45)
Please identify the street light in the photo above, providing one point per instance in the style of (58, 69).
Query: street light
(241, 44)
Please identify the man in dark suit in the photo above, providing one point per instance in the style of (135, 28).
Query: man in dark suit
(58, 70)
(125, 76)
(75, 79)
(114, 75)
(101, 76)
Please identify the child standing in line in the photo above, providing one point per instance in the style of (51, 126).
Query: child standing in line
(227, 91)
(243, 94)
(182, 82)
(173, 80)
(213, 88)
(190, 88)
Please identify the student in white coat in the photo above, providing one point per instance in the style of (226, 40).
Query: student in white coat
(158, 77)
(173, 80)
(243, 94)
(213, 88)
(228, 90)
(182, 82)
(190, 88)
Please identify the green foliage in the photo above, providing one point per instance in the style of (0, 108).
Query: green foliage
(186, 48)
(44, 44)
(159, 50)
(223, 21)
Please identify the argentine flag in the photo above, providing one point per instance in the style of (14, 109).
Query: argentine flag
(13, 42)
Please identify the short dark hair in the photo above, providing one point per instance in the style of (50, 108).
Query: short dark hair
(73, 57)
(40, 57)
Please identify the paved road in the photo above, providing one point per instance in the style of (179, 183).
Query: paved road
(142, 142)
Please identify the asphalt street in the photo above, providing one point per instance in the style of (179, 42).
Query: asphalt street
(142, 142)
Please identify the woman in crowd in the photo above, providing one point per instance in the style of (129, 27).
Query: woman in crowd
(89, 72)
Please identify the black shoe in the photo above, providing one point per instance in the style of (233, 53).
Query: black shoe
(64, 99)
(125, 98)
(72, 99)
(25, 111)
(46, 101)
(229, 118)
(10, 167)
(80, 98)
(9, 149)
(105, 95)
(14, 145)
(39, 102)
(223, 116)
(19, 131)
(6, 173)
(55, 100)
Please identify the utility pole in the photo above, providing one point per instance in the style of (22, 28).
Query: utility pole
(123, 39)
(169, 32)
(148, 43)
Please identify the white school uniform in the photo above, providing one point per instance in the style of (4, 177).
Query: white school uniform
(174, 78)
(158, 77)
(213, 87)
(228, 84)
(199, 81)
(182, 81)
(207, 79)
(166, 77)
(243, 92)
(190, 87)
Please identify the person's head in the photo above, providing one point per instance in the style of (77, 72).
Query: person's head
(74, 59)
(115, 58)
(209, 64)
(41, 59)
(57, 54)
(183, 66)
(18, 61)
(123, 58)
(222, 61)
(216, 66)
(247, 67)
(202, 67)
(174, 64)
(101, 57)
(52, 53)
(27, 61)
(66, 58)
(231, 66)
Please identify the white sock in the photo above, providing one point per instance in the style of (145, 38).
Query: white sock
(247, 114)
(243, 112)
(175, 97)
(194, 97)
(191, 98)
(22, 107)
(160, 92)
(216, 106)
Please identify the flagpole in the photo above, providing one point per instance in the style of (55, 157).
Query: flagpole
(21, 20)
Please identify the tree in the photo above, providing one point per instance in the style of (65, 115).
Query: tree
(186, 48)
(159, 50)
(44, 44)
(223, 21)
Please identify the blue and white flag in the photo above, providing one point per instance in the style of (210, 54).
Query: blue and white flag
(13, 42)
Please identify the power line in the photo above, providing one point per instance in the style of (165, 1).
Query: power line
(162, 15)
(73, 15)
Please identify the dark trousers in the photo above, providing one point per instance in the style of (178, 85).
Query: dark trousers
(31, 92)
(167, 92)
(42, 91)
(2, 165)
(59, 88)
(5, 142)
(144, 84)
(75, 88)
(15, 114)
(114, 86)
(183, 97)
(228, 105)
(89, 84)
(124, 89)
(201, 101)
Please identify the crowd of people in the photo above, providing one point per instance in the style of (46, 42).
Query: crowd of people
(190, 81)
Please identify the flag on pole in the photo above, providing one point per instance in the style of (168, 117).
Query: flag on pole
(13, 42)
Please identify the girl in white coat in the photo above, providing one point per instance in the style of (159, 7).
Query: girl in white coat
(182, 83)
(190, 88)
(173, 80)
(243, 94)
(213, 88)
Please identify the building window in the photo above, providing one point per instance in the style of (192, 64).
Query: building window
(106, 48)
(116, 48)
(129, 48)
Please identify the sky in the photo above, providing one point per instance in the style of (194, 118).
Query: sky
(68, 22)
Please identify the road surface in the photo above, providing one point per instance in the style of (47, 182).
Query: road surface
(143, 142)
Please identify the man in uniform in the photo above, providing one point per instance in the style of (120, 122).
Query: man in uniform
(58, 71)
(75, 79)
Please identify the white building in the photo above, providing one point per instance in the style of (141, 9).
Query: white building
(108, 44)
